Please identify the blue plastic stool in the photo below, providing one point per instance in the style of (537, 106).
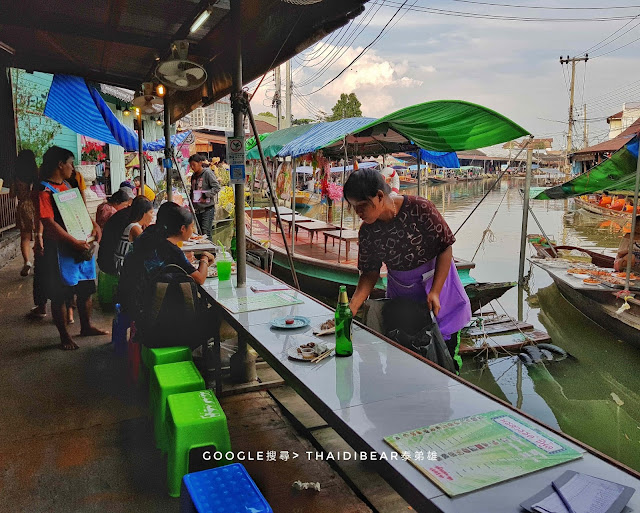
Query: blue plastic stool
(227, 489)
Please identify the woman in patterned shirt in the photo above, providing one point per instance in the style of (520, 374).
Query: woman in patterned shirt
(410, 236)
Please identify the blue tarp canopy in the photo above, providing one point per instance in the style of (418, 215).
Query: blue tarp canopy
(78, 106)
(440, 158)
(176, 140)
(322, 134)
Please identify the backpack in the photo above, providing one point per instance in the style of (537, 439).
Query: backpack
(170, 311)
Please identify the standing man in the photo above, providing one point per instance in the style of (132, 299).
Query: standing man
(204, 188)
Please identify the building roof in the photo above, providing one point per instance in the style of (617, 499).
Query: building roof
(119, 43)
(613, 144)
(470, 153)
(263, 127)
(617, 115)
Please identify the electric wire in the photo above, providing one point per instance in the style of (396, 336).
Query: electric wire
(548, 7)
(597, 45)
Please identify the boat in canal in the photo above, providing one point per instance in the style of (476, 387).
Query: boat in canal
(591, 205)
(599, 302)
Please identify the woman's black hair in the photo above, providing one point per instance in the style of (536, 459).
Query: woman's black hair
(172, 217)
(139, 207)
(51, 159)
(117, 197)
(26, 167)
(364, 184)
(196, 157)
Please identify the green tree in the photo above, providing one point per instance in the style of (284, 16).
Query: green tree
(34, 131)
(348, 106)
(267, 114)
(302, 121)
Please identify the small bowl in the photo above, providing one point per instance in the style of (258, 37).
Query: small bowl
(308, 354)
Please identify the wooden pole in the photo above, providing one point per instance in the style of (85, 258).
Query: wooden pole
(167, 148)
(525, 218)
(140, 153)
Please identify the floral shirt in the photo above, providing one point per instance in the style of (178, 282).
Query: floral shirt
(416, 235)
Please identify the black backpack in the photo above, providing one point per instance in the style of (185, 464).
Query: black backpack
(171, 310)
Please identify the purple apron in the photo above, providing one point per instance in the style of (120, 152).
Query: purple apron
(455, 308)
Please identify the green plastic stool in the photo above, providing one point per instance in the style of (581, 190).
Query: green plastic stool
(194, 419)
(152, 356)
(107, 286)
(166, 380)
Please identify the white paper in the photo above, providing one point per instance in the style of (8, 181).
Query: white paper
(268, 288)
(586, 494)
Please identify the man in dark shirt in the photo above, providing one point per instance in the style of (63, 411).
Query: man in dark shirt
(204, 189)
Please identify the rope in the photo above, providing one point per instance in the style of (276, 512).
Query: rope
(487, 233)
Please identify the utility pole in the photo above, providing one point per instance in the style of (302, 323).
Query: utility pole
(287, 96)
(586, 127)
(573, 61)
(277, 97)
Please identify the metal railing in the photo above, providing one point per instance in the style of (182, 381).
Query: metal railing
(7, 211)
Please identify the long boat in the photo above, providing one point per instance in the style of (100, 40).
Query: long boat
(603, 211)
(322, 272)
(599, 304)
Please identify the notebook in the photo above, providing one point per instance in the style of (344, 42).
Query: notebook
(586, 494)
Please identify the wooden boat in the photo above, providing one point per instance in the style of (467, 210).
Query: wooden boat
(598, 304)
(603, 211)
(320, 273)
(407, 181)
(435, 180)
(305, 199)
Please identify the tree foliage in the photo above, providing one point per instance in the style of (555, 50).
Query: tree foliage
(267, 114)
(348, 106)
(302, 121)
(34, 131)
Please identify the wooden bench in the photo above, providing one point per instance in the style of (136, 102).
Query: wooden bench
(315, 227)
(348, 236)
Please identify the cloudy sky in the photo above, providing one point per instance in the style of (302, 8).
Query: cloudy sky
(509, 65)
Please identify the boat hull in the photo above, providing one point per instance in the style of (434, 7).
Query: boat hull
(600, 308)
(606, 212)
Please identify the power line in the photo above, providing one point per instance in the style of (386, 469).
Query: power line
(549, 7)
(364, 50)
(600, 46)
(616, 49)
(464, 14)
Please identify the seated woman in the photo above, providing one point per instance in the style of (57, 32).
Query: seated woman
(156, 250)
(622, 257)
(140, 217)
(117, 201)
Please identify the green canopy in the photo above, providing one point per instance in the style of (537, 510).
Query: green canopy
(276, 140)
(251, 142)
(443, 125)
(616, 173)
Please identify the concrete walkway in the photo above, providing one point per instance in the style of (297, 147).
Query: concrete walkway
(75, 437)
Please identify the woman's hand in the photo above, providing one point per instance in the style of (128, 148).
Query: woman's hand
(80, 245)
(433, 300)
(97, 232)
(210, 258)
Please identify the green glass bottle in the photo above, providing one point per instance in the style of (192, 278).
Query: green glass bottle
(343, 324)
(234, 252)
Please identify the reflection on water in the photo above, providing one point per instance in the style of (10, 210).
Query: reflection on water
(592, 396)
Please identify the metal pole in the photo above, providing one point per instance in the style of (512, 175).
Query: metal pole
(633, 224)
(525, 218)
(167, 146)
(266, 172)
(344, 175)
(293, 204)
(277, 97)
(419, 179)
(253, 195)
(140, 155)
(273, 199)
(238, 131)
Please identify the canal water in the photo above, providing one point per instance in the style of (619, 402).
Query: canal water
(594, 396)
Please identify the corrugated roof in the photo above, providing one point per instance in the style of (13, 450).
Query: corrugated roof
(276, 140)
(613, 144)
(321, 135)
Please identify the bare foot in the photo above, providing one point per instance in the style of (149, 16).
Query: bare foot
(93, 332)
(68, 345)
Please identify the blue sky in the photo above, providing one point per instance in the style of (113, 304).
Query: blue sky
(510, 66)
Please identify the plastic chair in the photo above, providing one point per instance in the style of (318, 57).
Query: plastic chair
(152, 356)
(166, 380)
(197, 434)
(225, 489)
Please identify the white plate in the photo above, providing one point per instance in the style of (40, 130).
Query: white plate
(294, 355)
(580, 276)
